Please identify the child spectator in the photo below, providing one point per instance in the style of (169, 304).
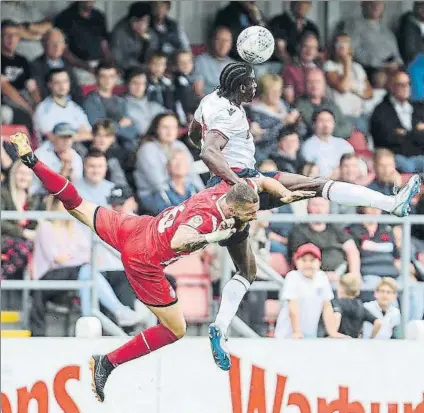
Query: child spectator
(287, 156)
(383, 308)
(160, 89)
(184, 83)
(351, 311)
(307, 294)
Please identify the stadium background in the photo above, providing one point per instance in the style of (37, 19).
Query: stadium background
(183, 378)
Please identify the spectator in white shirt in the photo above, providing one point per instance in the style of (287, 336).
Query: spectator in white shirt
(59, 155)
(307, 294)
(323, 149)
(59, 107)
(383, 308)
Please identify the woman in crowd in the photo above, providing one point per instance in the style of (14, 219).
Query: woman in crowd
(269, 114)
(62, 251)
(17, 236)
(151, 172)
(348, 81)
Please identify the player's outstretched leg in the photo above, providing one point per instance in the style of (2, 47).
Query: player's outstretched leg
(232, 296)
(356, 195)
(55, 183)
(172, 327)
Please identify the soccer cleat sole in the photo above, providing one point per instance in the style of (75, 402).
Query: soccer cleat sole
(406, 209)
(21, 143)
(92, 365)
(220, 356)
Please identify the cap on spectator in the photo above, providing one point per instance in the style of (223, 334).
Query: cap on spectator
(308, 248)
(119, 195)
(64, 129)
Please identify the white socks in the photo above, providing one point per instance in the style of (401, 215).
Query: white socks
(356, 195)
(232, 295)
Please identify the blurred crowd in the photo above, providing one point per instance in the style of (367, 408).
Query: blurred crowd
(110, 111)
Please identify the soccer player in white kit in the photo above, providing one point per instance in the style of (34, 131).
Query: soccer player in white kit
(221, 128)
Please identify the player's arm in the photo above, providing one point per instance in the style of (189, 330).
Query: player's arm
(213, 158)
(278, 190)
(187, 239)
(195, 133)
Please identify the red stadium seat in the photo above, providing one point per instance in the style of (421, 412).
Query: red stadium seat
(359, 143)
(279, 263)
(117, 90)
(198, 49)
(7, 130)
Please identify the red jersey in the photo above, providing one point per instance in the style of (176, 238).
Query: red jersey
(200, 212)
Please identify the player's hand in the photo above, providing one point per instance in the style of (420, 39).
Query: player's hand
(294, 196)
(226, 224)
(297, 335)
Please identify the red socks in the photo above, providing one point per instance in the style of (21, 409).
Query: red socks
(143, 343)
(58, 186)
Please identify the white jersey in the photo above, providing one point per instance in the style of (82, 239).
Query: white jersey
(218, 114)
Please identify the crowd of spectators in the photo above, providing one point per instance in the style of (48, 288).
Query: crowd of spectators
(110, 111)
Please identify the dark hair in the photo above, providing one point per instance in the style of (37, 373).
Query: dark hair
(104, 66)
(105, 124)
(232, 77)
(5, 24)
(139, 9)
(288, 130)
(332, 54)
(94, 153)
(322, 110)
(153, 128)
(347, 156)
(156, 55)
(306, 36)
(130, 74)
(53, 72)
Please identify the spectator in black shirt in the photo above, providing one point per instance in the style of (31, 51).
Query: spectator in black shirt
(287, 156)
(132, 39)
(290, 26)
(237, 16)
(170, 36)
(350, 311)
(184, 83)
(54, 47)
(410, 34)
(160, 89)
(87, 37)
(19, 90)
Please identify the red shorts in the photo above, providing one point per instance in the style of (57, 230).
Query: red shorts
(128, 235)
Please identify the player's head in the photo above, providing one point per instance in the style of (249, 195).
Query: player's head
(307, 259)
(237, 83)
(243, 203)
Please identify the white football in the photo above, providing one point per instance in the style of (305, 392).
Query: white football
(255, 44)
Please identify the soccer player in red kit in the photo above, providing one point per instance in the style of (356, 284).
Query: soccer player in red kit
(148, 244)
